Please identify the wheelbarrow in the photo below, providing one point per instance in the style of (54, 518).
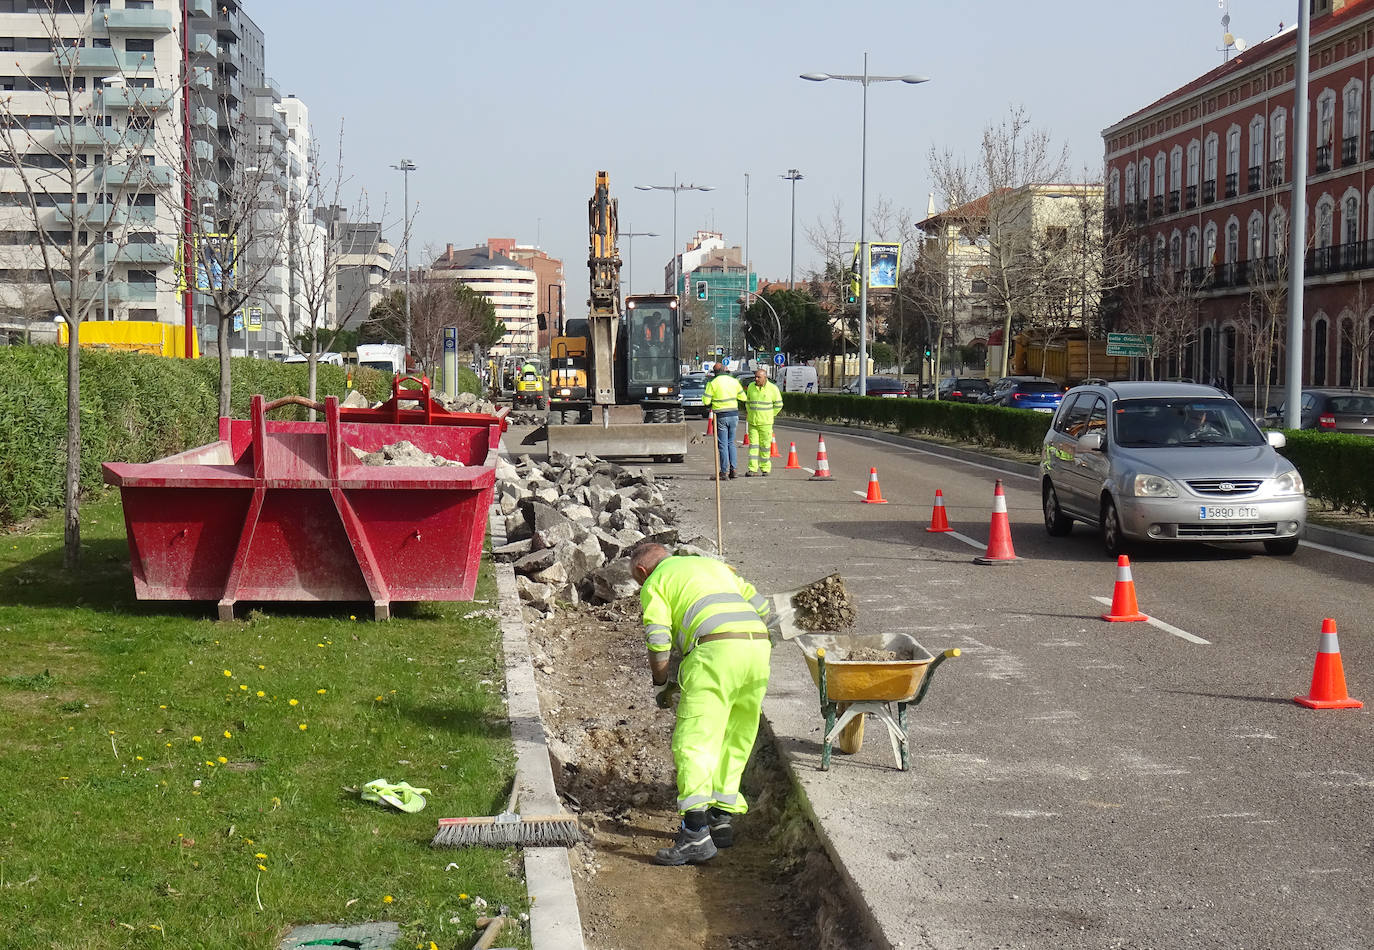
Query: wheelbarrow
(852, 689)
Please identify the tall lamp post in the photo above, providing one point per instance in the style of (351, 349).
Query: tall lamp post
(793, 176)
(405, 167)
(630, 256)
(865, 80)
(106, 84)
(675, 188)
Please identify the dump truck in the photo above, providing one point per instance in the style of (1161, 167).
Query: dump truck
(613, 377)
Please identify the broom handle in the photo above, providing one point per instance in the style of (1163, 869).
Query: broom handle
(493, 925)
(720, 538)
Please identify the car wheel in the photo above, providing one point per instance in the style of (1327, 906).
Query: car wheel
(1112, 538)
(1282, 546)
(1057, 524)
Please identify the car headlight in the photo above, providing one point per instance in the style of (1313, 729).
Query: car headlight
(1153, 486)
(1289, 483)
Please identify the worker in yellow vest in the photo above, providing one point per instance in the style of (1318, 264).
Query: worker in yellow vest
(723, 396)
(719, 625)
(763, 400)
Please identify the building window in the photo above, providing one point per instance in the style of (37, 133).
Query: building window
(1256, 166)
(1130, 185)
(1278, 146)
(1232, 241)
(1159, 175)
(1233, 150)
(1194, 151)
(1351, 222)
(1350, 124)
(1193, 259)
(1255, 236)
(1176, 252)
(1144, 178)
(1114, 194)
(1319, 352)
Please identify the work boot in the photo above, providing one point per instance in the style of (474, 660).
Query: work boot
(751, 474)
(722, 832)
(733, 473)
(764, 473)
(692, 846)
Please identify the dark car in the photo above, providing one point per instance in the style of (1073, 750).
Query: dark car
(886, 386)
(1006, 384)
(1331, 410)
(693, 389)
(963, 388)
(1042, 395)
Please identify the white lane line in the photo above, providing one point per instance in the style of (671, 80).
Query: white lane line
(811, 470)
(1166, 627)
(1330, 550)
(966, 539)
(861, 494)
(947, 458)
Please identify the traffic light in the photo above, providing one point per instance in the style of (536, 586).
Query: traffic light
(927, 351)
(702, 289)
(853, 288)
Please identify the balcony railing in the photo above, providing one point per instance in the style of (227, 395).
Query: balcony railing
(1209, 191)
(1349, 147)
(1253, 180)
(1173, 201)
(1191, 197)
(1275, 173)
(1231, 178)
(1323, 159)
(1142, 208)
(1336, 258)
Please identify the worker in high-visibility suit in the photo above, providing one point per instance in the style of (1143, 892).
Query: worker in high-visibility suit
(723, 396)
(719, 624)
(763, 401)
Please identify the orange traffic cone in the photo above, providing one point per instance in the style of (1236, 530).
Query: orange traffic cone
(938, 520)
(773, 448)
(999, 537)
(822, 463)
(1328, 678)
(1124, 606)
(792, 456)
(875, 494)
(710, 423)
(746, 436)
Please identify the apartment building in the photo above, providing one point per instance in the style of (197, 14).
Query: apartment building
(513, 288)
(1202, 180)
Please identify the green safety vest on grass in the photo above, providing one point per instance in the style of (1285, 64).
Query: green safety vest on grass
(688, 597)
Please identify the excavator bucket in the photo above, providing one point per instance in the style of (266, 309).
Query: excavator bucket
(660, 441)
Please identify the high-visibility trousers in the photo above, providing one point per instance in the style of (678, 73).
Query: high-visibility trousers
(760, 441)
(723, 683)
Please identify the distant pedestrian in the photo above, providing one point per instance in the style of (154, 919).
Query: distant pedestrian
(723, 396)
(764, 401)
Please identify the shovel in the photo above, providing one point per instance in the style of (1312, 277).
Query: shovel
(784, 625)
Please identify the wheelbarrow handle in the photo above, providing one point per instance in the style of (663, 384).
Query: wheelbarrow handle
(293, 401)
(930, 674)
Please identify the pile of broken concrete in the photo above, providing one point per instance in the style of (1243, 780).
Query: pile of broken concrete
(570, 524)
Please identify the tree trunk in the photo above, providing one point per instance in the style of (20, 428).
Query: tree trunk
(311, 362)
(1006, 343)
(71, 532)
(222, 346)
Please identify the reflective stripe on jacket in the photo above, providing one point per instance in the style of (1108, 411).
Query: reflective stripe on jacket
(723, 393)
(764, 401)
(686, 598)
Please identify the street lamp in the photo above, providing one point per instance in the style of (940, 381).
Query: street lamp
(675, 188)
(629, 256)
(764, 300)
(106, 84)
(405, 167)
(793, 176)
(865, 80)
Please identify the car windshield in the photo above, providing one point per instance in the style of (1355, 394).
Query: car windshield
(1141, 423)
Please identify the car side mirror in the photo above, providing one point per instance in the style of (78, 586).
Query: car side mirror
(1092, 442)
(1276, 439)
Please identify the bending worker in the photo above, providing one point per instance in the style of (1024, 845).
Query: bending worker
(718, 623)
(764, 401)
(723, 397)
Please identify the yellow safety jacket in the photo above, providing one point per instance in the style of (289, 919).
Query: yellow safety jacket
(764, 402)
(723, 394)
(685, 598)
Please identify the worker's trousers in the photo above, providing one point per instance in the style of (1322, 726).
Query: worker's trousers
(723, 683)
(760, 445)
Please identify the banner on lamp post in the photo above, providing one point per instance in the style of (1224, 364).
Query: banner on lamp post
(884, 263)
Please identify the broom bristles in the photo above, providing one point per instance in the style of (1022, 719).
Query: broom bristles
(508, 831)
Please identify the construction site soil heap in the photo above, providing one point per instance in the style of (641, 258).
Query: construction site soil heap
(825, 605)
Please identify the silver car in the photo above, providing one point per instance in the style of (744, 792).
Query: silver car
(1168, 462)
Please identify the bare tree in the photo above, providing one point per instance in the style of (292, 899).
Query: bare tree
(1358, 334)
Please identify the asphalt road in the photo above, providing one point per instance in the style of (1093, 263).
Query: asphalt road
(1074, 783)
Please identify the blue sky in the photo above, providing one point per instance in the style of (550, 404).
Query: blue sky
(509, 110)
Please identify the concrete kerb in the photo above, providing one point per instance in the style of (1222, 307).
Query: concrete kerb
(555, 923)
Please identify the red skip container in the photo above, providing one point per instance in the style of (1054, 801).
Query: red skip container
(284, 511)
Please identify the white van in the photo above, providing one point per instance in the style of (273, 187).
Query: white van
(797, 379)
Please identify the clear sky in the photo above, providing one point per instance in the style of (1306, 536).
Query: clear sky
(509, 110)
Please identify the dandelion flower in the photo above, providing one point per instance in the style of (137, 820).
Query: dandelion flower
(352, 617)
(388, 899)
(294, 702)
(248, 840)
(195, 738)
(228, 672)
(169, 745)
(112, 732)
(223, 760)
(260, 856)
(261, 694)
(261, 667)
(228, 734)
(321, 645)
(462, 897)
(162, 707)
(380, 698)
(321, 691)
(262, 867)
(302, 727)
(209, 763)
(62, 778)
(138, 758)
(243, 687)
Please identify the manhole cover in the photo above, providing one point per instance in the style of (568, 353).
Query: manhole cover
(376, 936)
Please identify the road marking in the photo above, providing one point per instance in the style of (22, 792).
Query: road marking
(948, 458)
(966, 539)
(1166, 627)
(1331, 550)
(811, 470)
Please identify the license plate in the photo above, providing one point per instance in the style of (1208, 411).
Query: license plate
(1043, 409)
(1227, 513)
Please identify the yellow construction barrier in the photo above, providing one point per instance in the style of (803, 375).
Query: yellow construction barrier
(134, 336)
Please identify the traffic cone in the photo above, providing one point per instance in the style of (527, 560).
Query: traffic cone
(792, 456)
(746, 436)
(710, 423)
(938, 520)
(999, 537)
(822, 463)
(875, 494)
(773, 452)
(1123, 595)
(1328, 678)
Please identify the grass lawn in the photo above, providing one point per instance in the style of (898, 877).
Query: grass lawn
(173, 781)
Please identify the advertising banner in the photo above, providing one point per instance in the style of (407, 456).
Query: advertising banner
(884, 263)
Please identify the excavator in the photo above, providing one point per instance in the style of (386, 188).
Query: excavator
(613, 377)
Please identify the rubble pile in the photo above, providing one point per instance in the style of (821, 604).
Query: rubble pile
(572, 521)
(403, 453)
(467, 402)
(824, 605)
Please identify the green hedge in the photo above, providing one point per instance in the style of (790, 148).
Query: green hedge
(1337, 469)
(1022, 430)
(134, 408)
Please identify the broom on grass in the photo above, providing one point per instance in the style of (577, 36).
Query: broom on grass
(508, 830)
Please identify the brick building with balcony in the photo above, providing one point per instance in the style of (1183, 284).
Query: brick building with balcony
(1202, 178)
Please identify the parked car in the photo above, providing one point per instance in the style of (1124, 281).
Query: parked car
(693, 389)
(963, 388)
(886, 386)
(1330, 410)
(1005, 384)
(1168, 462)
(1042, 395)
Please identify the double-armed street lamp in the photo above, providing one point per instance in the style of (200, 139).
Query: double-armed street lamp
(675, 188)
(793, 176)
(865, 80)
(405, 166)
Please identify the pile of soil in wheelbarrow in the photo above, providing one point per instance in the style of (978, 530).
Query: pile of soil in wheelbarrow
(824, 605)
(404, 453)
(869, 655)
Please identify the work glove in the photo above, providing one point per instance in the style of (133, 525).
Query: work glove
(663, 695)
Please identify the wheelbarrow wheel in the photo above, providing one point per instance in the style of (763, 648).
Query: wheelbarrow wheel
(851, 737)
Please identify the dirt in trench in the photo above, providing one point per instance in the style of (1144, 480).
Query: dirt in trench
(774, 890)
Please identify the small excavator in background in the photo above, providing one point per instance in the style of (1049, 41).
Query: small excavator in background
(613, 377)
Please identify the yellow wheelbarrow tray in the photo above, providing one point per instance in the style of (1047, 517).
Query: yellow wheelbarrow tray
(851, 689)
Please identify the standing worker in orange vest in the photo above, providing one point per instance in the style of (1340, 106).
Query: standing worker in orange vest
(764, 401)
